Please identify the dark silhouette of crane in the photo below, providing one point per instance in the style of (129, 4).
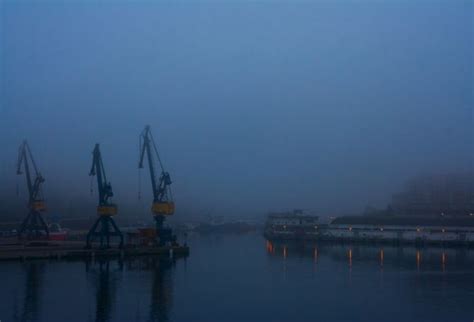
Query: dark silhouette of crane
(105, 226)
(34, 290)
(163, 204)
(33, 226)
(106, 281)
(161, 288)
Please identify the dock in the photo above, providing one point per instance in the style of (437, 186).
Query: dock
(76, 250)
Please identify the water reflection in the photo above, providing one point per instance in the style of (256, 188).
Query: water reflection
(315, 281)
(349, 256)
(161, 297)
(105, 280)
(406, 257)
(108, 282)
(443, 261)
(381, 258)
(418, 259)
(33, 287)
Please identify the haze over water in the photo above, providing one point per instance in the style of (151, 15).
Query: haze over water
(256, 106)
(244, 278)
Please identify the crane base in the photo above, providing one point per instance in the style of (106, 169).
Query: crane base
(104, 228)
(165, 235)
(33, 227)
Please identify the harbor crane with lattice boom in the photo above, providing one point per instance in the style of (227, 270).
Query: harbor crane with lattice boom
(104, 227)
(163, 204)
(33, 226)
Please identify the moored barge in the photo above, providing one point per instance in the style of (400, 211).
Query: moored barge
(384, 229)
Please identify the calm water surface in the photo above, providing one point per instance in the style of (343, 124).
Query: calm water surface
(245, 278)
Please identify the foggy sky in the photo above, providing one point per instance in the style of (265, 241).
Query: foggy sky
(255, 105)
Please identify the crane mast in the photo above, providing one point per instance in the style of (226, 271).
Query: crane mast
(105, 226)
(33, 226)
(163, 204)
(104, 187)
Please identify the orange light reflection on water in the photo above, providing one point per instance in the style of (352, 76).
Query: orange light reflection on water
(418, 259)
(381, 257)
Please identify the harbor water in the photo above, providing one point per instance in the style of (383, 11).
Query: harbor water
(246, 278)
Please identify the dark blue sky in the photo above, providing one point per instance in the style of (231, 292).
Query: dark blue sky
(255, 105)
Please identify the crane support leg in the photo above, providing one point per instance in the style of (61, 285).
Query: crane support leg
(165, 235)
(104, 228)
(33, 226)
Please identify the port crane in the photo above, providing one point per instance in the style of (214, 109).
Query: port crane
(104, 227)
(33, 226)
(163, 204)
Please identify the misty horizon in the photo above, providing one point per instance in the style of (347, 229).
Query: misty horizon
(255, 108)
